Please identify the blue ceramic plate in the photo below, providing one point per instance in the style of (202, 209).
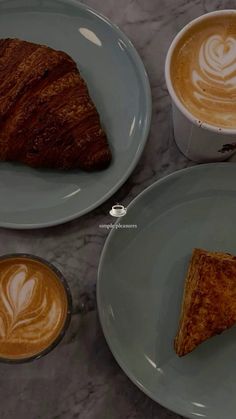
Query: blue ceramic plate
(140, 286)
(119, 86)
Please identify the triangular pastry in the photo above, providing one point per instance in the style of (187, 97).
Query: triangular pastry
(209, 300)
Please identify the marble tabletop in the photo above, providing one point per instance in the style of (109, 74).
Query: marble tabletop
(80, 378)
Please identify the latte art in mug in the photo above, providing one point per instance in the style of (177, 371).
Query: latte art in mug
(203, 71)
(33, 307)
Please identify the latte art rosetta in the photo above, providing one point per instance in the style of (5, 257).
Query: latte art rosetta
(217, 59)
(214, 77)
(24, 318)
(32, 308)
(204, 72)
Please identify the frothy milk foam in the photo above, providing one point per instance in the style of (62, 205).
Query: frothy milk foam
(203, 70)
(33, 307)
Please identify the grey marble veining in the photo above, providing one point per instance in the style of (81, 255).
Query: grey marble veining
(80, 378)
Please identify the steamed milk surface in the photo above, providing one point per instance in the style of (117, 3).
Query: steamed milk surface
(33, 307)
(203, 71)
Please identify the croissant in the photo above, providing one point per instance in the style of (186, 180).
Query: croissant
(47, 118)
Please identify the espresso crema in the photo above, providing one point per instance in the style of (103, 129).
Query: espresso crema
(33, 307)
(203, 70)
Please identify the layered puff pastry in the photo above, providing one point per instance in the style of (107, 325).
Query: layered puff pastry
(47, 118)
(209, 300)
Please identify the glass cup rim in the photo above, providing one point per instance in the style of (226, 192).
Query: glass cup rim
(66, 287)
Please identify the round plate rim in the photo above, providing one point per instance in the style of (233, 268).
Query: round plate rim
(143, 138)
(118, 359)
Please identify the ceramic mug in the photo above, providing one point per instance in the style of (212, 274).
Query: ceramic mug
(199, 141)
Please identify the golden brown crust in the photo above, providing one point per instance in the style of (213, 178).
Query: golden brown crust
(46, 115)
(209, 300)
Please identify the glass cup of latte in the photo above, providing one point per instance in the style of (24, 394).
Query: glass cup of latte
(200, 74)
(35, 307)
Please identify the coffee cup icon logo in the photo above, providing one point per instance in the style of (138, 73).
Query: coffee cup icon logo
(118, 211)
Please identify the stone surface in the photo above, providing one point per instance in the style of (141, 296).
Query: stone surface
(80, 378)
